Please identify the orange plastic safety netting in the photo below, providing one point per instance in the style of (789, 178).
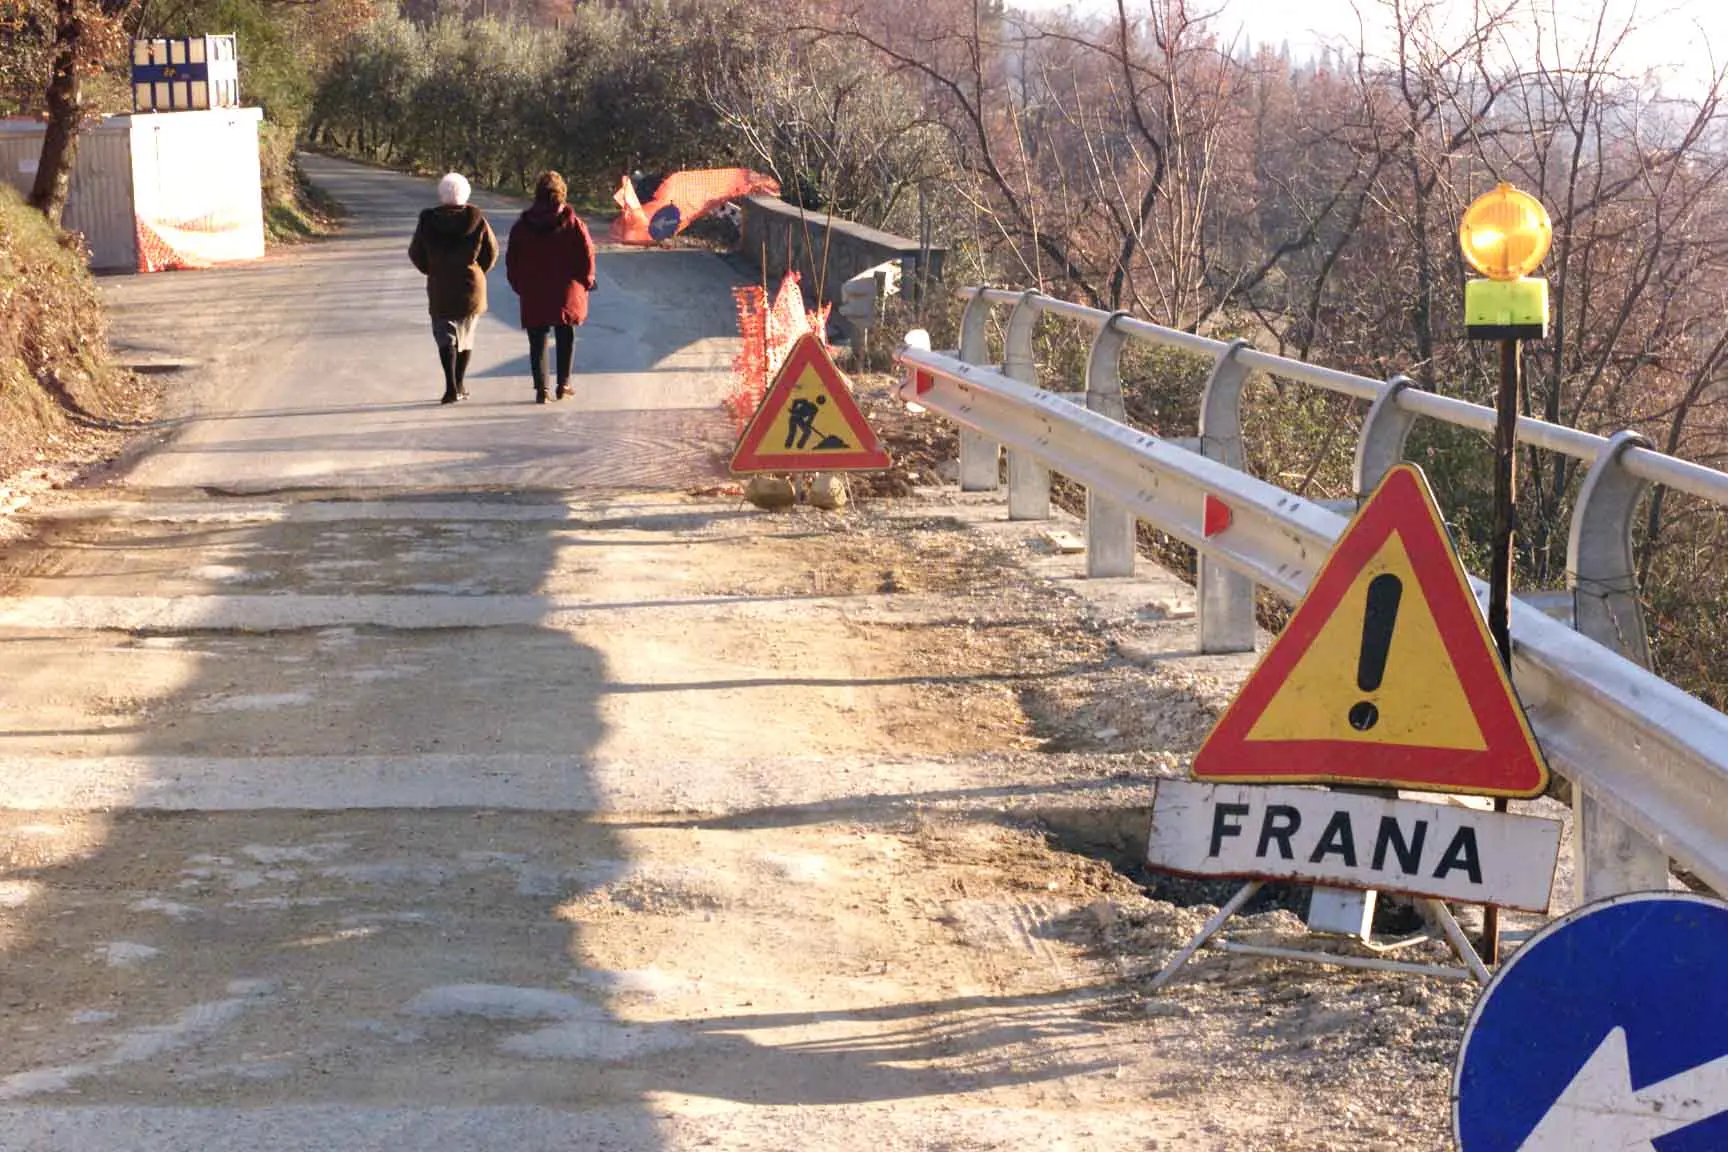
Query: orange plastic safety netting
(768, 330)
(680, 200)
(197, 243)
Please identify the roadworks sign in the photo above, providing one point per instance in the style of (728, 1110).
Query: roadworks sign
(808, 421)
(1385, 674)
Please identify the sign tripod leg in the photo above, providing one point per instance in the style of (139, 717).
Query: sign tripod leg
(1442, 915)
(1455, 936)
(1231, 907)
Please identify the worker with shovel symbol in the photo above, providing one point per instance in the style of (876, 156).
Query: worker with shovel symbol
(801, 425)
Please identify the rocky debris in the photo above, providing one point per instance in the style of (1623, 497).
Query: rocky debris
(827, 492)
(770, 492)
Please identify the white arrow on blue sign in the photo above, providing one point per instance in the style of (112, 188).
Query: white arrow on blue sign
(1608, 1030)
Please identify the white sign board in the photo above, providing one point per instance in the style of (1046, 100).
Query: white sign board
(1339, 838)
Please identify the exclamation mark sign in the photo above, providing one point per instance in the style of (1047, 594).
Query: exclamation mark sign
(1378, 620)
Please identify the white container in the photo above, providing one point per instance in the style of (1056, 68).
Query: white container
(151, 192)
(100, 201)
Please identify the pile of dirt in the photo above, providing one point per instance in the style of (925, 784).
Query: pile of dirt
(924, 448)
(63, 402)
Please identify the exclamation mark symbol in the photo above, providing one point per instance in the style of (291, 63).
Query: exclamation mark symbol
(1378, 620)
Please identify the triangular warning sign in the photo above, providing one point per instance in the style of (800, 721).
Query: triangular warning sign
(808, 421)
(1385, 674)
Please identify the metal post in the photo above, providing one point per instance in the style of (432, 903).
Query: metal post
(1110, 542)
(1226, 599)
(1500, 556)
(1028, 478)
(1505, 500)
(980, 456)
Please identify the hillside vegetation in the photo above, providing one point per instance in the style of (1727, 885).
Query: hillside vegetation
(62, 399)
(1139, 159)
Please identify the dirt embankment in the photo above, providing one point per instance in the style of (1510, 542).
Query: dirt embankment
(63, 402)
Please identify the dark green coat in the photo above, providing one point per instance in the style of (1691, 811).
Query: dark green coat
(455, 248)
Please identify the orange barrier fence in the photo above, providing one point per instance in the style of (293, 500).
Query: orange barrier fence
(681, 199)
(768, 331)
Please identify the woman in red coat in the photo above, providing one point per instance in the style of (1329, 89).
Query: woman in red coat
(550, 264)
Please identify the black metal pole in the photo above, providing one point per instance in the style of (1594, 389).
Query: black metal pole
(1500, 556)
(1505, 501)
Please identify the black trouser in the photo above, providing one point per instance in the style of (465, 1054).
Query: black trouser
(566, 341)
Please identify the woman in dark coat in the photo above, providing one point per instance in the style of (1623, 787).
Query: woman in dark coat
(454, 246)
(550, 264)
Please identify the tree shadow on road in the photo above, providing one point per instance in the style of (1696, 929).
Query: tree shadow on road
(348, 846)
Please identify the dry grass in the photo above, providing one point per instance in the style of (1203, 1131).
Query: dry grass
(62, 400)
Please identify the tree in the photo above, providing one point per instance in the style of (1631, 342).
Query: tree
(819, 114)
(85, 33)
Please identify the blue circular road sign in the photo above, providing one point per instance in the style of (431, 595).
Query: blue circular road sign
(1607, 1030)
(665, 223)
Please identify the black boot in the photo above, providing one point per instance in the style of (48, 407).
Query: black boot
(537, 368)
(566, 341)
(461, 371)
(447, 358)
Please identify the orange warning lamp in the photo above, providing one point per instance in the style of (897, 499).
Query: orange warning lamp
(1504, 235)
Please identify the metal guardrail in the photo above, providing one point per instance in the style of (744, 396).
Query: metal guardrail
(1649, 763)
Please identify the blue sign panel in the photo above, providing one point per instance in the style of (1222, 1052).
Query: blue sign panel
(1608, 1030)
(665, 223)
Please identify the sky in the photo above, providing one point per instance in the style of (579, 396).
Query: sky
(1674, 38)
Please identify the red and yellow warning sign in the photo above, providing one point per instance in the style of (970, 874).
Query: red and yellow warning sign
(1385, 674)
(808, 421)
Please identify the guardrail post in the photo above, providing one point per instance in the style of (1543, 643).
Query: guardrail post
(1384, 431)
(1612, 858)
(1110, 542)
(1028, 478)
(980, 456)
(1226, 599)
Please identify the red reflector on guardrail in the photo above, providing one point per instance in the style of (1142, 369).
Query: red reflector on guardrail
(1216, 517)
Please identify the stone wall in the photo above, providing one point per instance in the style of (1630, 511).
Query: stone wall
(778, 236)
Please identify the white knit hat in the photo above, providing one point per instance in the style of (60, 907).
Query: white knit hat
(453, 190)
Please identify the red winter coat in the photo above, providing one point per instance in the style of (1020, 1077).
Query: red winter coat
(550, 263)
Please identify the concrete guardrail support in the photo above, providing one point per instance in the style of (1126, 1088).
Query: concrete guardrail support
(1226, 599)
(1028, 478)
(1612, 858)
(1110, 540)
(980, 456)
(1384, 431)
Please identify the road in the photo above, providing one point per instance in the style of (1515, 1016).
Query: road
(339, 363)
(386, 775)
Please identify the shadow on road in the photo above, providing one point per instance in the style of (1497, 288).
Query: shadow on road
(315, 954)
